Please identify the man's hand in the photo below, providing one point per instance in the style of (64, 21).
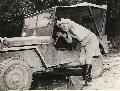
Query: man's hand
(64, 35)
(59, 34)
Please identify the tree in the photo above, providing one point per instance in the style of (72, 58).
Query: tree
(12, 13)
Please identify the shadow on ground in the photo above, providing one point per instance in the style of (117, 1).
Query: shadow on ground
(48, 81)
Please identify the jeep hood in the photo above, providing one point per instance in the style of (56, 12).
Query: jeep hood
(25, 41)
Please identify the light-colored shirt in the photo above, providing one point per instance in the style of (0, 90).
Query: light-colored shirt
(78, 31)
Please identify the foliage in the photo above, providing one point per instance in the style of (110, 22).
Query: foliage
(114, 45)
(13, 8)
(12, 13)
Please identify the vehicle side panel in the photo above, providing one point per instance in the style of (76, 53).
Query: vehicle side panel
(27, 55)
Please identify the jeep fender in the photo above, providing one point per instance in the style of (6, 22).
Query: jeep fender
(28, 54)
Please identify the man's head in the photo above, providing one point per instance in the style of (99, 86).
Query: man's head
(64, 24)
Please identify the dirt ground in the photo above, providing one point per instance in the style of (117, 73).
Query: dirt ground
(109, 80)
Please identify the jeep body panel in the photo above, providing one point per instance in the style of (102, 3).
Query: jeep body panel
(43, 47)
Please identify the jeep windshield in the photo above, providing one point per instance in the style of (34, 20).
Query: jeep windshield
(40, 24)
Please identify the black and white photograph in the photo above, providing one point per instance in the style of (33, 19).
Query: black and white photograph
(59, 45)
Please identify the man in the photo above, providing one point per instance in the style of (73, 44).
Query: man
(88, 40)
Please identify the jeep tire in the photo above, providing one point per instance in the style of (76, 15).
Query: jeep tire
(15, 74)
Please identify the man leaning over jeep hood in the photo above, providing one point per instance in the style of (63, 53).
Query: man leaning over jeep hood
(88, 40)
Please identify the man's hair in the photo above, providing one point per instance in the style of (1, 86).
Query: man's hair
(69, 24)
(63, 22)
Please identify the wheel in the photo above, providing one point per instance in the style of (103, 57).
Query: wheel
(15, 74)
(97, 67)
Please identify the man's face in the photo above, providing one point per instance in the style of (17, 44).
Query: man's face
(64, 27)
